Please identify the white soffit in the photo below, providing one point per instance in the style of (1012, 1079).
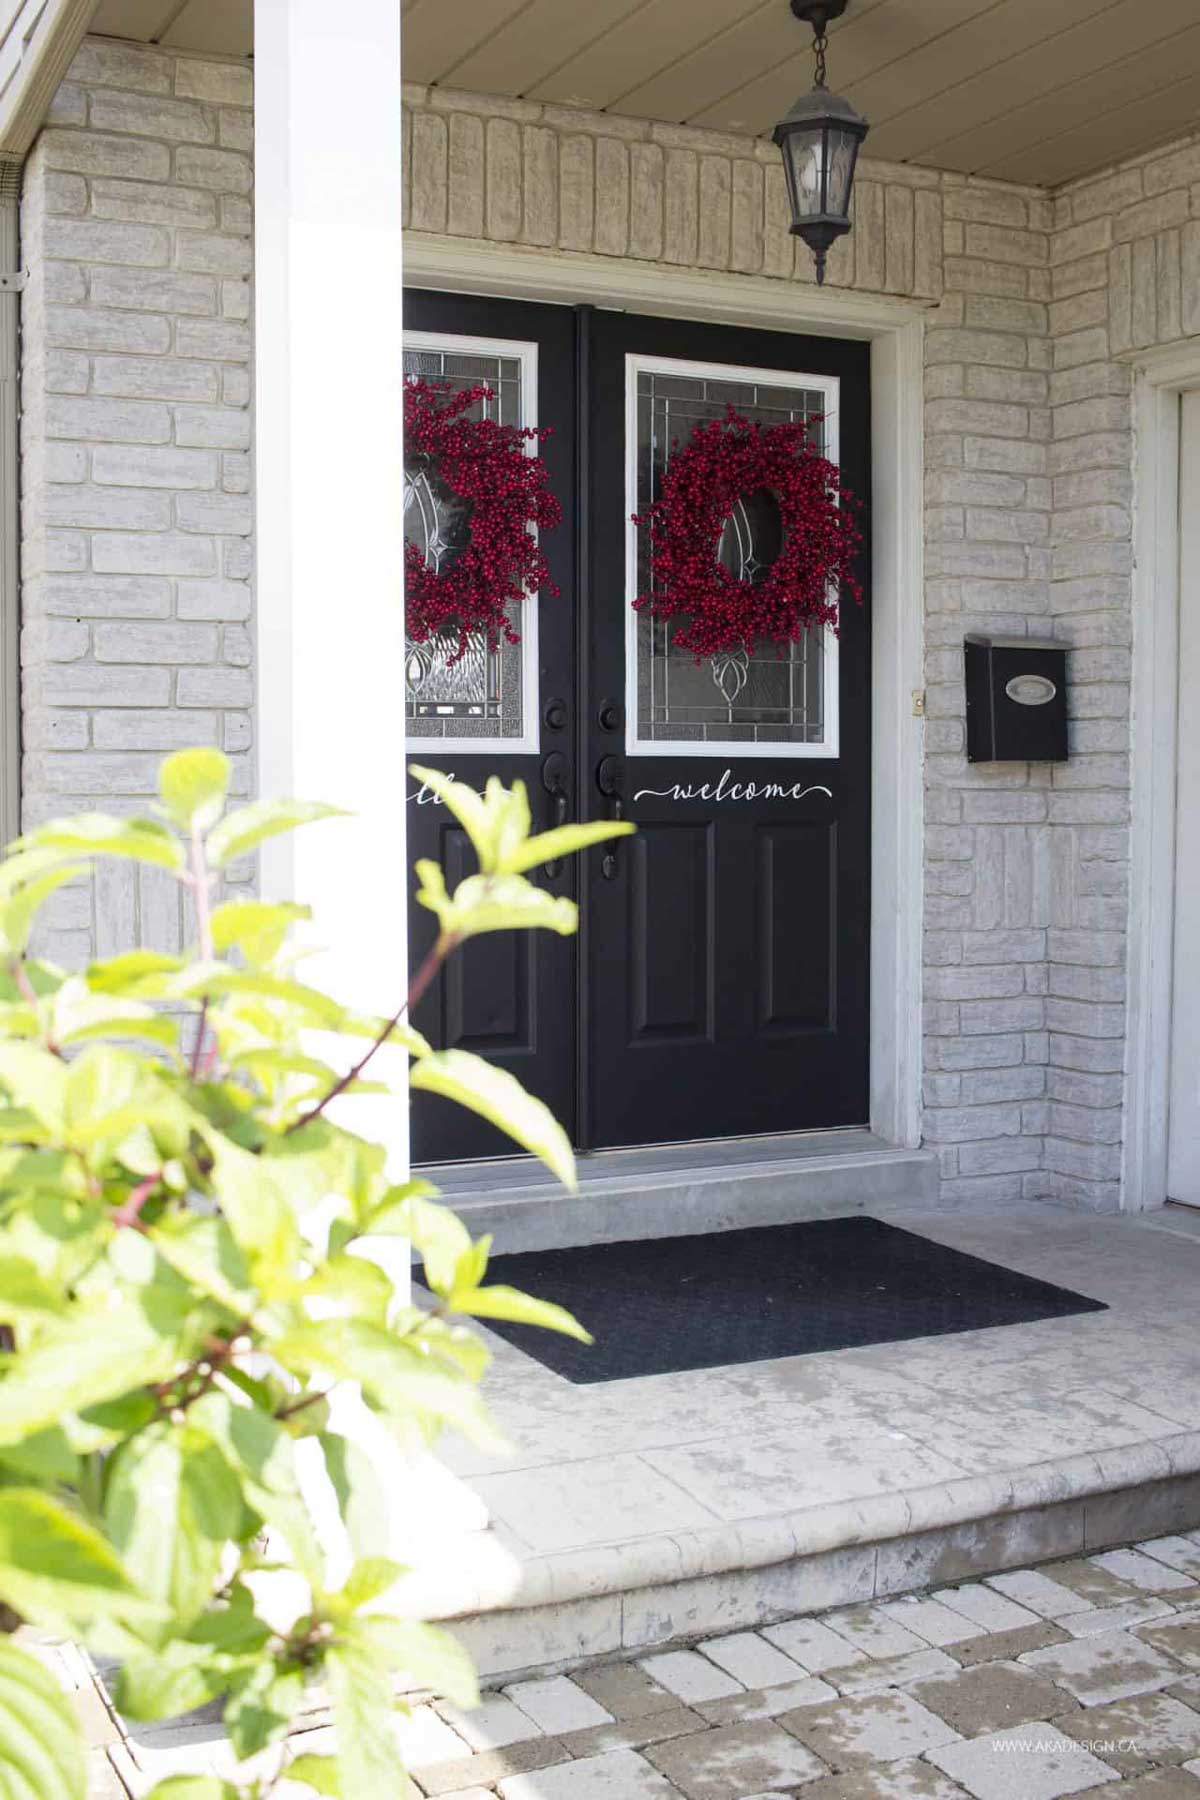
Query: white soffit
(215, 27)
(1025, 90)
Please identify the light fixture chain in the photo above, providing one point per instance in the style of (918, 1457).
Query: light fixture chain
(820, 41)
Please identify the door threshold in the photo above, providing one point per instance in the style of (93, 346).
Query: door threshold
(505, 1172)
(679, 1190)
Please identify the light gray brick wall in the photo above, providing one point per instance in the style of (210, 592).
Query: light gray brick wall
(990, 843)
(136, 432)
(1125, 275)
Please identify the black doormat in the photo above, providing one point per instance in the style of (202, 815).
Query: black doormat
(667, 1304)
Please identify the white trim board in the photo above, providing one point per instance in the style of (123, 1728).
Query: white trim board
(1161, 377)
(896, 334)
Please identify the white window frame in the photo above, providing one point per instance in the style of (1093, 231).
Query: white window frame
(827, 748)
(530, 741)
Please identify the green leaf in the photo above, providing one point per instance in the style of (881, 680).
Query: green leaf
(468, 807)
(400, 1380)
(521, 1309)
(255, 927)
(82, 1019)
(26, 1293)
(205, 1252)
(42, 1754)
(363, 1501)
(370, 1577)
(424, 1655)
(96, 834)
(247, 827)
(320, 1773)
(192, 785)
(261, 1707)
(436, 1234)
(315, 1007)
(46, 1457)
(389, 1214)
(194, 1787)
(37, 1082)
(19, 909)
(255, 1203)
(357, 1285)
(261, 1453)
(498, 821)
(112, 1093)
(133, 972)
(174, 1679)
(493, 903)
(62, 1372)
(498, 1097)
(55, 1568)
(171, 1505)
(564, 840)
(364, 1714)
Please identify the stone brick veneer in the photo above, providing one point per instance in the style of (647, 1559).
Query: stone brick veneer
(1125, 276)
(136, 385)
(137, 570)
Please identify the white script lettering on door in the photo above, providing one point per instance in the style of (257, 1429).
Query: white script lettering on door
(728, 789)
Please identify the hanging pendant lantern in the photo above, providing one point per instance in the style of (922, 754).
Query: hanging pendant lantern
(819, 139)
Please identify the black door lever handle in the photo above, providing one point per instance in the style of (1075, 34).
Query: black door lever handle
(610, 779)
(554, 780)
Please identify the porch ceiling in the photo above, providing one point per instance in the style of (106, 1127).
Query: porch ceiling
(219, 27)
(1022, 90)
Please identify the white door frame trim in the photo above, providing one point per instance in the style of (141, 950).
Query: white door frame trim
(1161, 376)
(895, 330)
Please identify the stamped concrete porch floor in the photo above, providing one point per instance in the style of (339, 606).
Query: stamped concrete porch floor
(638, 1512)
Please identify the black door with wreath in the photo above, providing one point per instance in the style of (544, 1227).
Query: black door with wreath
(719, 983)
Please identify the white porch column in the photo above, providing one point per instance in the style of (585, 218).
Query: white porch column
(328, 471)
(329, 474)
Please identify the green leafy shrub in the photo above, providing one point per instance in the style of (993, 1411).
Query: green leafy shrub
(190, 1263)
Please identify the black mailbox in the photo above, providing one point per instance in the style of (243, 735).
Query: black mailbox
(1016, 700)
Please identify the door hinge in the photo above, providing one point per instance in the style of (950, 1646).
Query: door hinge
(918, 697)
(13, 284)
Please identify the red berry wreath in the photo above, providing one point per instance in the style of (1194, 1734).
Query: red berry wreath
(722, 461)
(506, 491)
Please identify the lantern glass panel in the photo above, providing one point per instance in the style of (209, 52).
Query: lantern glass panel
(841, 156)
(806, 170)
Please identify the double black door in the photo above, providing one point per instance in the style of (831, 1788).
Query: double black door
(719, 982)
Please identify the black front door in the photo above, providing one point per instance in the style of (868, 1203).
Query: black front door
(719, 985)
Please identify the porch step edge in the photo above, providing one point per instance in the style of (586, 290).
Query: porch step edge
(650, 1591)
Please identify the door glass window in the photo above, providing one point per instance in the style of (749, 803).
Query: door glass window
(486, 697)
(762, 705)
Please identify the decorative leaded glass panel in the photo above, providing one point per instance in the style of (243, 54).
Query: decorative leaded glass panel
(481, 696)
(768, 699)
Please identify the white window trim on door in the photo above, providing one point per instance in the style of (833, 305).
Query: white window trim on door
(895, 330)
(1161, 377)
(530, 741)
(675, 747)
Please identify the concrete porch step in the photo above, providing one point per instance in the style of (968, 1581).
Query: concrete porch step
(676, 1190)
(642, 1513)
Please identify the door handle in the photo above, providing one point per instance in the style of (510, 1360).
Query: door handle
(610, 779)
(554, 780)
